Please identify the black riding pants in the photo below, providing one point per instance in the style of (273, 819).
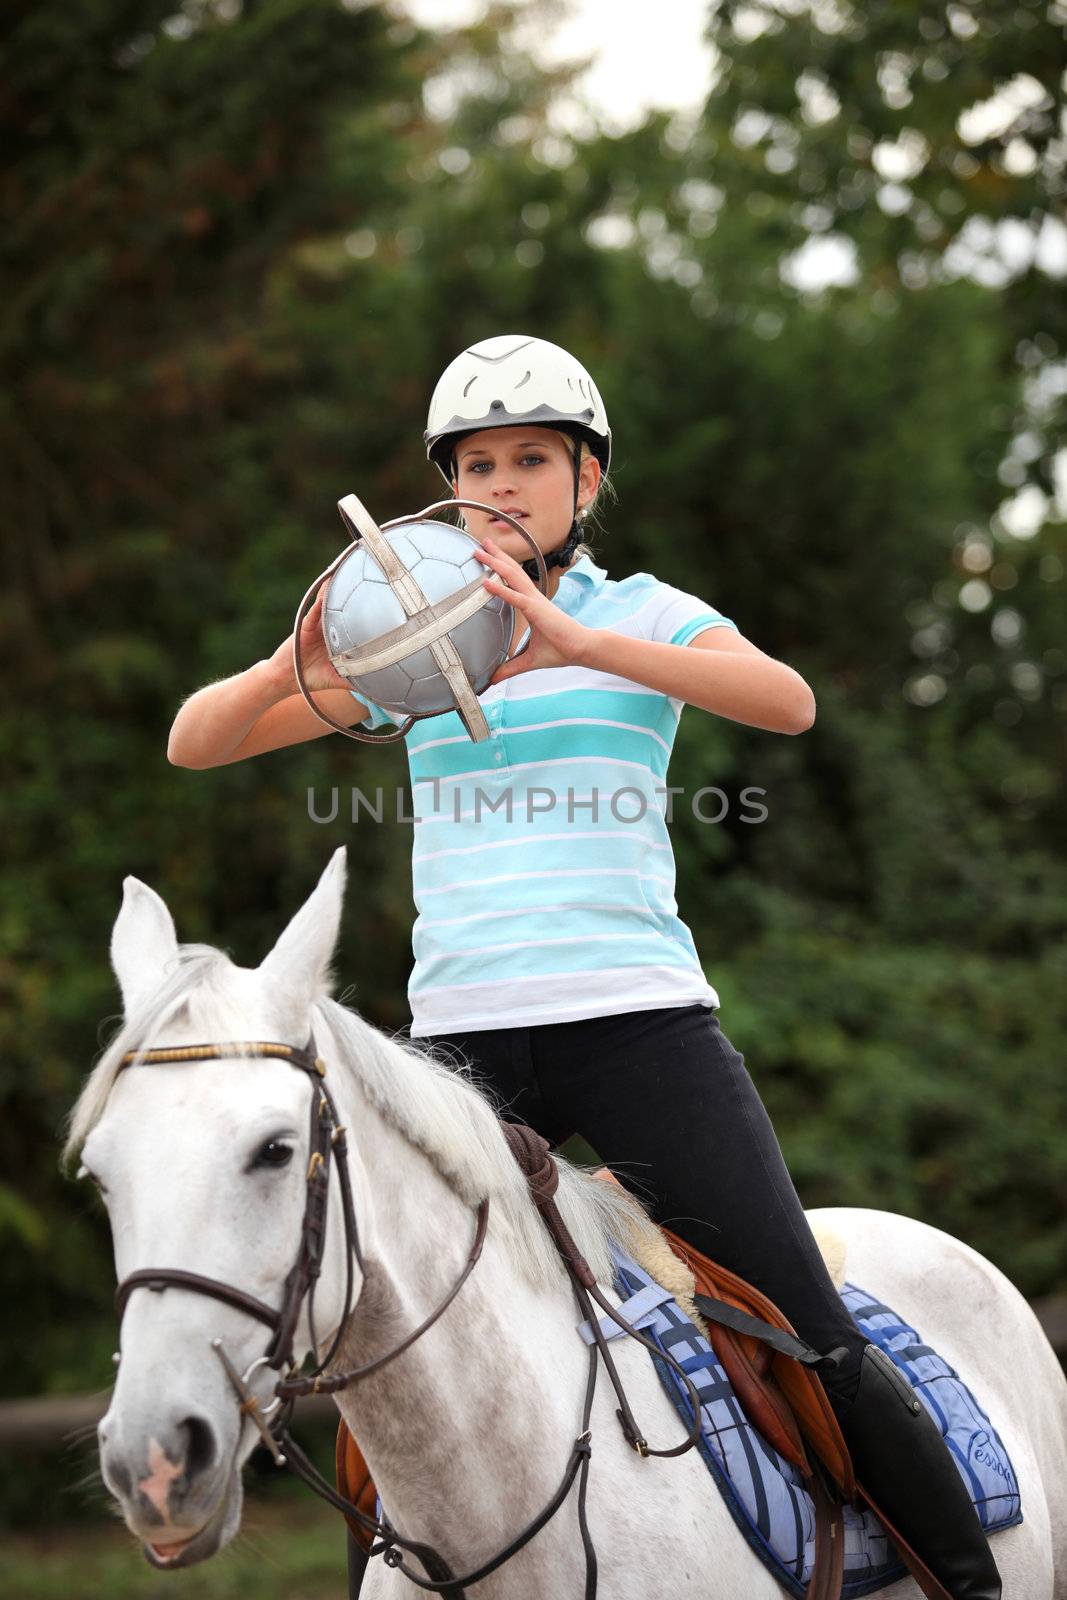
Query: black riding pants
(665, 1099)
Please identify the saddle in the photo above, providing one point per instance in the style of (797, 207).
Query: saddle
(782, 1397)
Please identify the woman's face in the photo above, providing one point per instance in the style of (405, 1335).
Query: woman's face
(528, 472)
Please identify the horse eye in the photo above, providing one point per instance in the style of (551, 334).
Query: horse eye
(273, 1154)
(84, 1172)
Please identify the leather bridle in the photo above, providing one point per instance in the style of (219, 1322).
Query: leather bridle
(326, 1141)
(326, 1136)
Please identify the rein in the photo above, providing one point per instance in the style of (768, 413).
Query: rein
(326, 1140)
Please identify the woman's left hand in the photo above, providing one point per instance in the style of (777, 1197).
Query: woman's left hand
(556, 640)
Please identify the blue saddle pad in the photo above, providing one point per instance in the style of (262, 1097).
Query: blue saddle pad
(765, 1493)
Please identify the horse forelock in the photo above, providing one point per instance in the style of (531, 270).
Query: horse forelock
(190, 990)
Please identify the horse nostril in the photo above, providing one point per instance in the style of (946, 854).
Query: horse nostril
(201, 1449)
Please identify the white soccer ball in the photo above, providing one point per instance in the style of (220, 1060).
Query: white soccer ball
(360, 607)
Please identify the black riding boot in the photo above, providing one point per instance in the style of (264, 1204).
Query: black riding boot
(902, 1461)
(357, 1566)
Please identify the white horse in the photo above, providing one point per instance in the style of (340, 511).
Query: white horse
(468, 1432)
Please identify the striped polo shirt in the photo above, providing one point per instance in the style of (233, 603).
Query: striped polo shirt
(542, 869)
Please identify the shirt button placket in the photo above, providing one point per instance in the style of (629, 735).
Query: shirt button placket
(496, 715)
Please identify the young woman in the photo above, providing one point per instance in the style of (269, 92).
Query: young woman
(548, 949)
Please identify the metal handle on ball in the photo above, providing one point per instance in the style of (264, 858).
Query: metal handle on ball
(309, 600)
(479, 505)
(298, 666)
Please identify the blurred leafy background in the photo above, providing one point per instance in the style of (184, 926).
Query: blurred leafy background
(240, 243)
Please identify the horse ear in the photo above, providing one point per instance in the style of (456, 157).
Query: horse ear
(299, 964)
(143, 941)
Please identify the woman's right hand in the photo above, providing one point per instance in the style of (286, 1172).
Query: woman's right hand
(314, 656)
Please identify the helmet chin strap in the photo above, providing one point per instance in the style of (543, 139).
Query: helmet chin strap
(562, 556)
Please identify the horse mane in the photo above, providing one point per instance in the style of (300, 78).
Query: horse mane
(440, 1108)
(436, 1105)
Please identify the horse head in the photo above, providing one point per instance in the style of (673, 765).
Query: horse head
(203, 1165)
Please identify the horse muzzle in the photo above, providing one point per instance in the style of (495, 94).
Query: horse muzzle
(187, 1549)
(178, 1486)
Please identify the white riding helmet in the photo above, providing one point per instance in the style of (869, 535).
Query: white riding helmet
(514, 378)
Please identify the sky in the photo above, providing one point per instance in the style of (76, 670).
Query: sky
(634, 68)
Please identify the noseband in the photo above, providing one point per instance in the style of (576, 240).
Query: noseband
(327, 1139)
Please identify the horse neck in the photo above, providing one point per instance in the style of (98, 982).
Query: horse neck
(479, 1414)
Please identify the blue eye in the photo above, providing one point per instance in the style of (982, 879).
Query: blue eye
(480, 468)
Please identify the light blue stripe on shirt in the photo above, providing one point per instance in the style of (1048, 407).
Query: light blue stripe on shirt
(516, 877)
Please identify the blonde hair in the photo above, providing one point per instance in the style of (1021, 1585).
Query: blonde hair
(605, 489)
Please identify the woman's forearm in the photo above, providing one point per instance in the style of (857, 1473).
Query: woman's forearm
(750, 688)
(214, 720)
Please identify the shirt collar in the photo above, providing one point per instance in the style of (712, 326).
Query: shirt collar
(586, 571)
